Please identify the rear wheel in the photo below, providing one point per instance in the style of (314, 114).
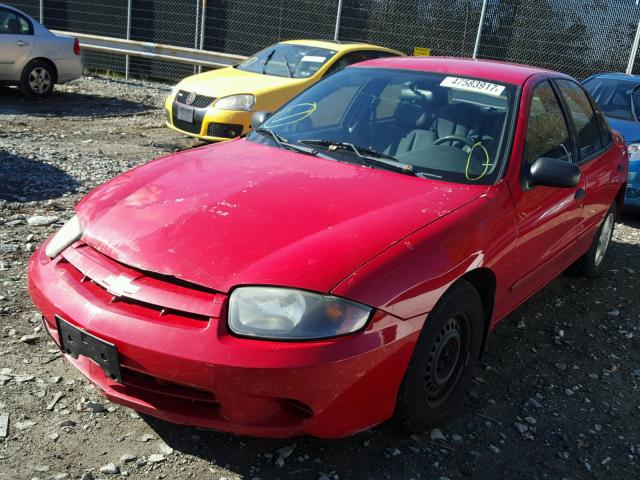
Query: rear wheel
(590, 265)
(37, 79)
(443, 361)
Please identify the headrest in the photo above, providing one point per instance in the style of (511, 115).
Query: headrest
(415, 109)
(13, 25)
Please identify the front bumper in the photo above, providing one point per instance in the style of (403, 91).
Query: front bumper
(196, 373)
(210, 124)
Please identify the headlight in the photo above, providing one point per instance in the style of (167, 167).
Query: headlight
(69, 233)
(287, 314)
(243, 103)
(634, 151)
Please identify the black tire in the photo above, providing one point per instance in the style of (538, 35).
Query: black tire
(441, 367)
(590, 265)
(37, 79)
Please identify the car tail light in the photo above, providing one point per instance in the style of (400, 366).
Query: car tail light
(76, 47)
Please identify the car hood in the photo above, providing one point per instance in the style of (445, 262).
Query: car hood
(242, 213)
(231, 81)
(629, 129)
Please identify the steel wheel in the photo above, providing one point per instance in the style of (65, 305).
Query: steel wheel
(446, 359)
(40, 80)
(443, 360)
(604, 239)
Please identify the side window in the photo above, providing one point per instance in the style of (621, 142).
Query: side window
(24, 26)
(547, 132)
(603, 124)
(8, 22)
(351, 58)
(14, 24)
(584, 118)
(388, 101)
(333, 107)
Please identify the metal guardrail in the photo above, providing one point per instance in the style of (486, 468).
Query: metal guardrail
(157, 51)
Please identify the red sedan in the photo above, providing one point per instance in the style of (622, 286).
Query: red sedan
(344, 262)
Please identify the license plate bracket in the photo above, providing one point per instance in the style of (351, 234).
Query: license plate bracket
(75, 341)
(185, 114)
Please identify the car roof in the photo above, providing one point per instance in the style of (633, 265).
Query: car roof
(616, 76)
(338, 45)
(502, 72)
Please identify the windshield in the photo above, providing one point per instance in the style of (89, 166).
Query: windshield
(617, 98)
(287, 60)
(442, 126)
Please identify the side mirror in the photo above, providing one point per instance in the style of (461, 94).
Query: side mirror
(553, 172)
(258, 118)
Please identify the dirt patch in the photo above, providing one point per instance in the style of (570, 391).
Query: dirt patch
(557, 394)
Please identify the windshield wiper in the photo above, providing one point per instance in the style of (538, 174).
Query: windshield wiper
(289, 72)
(267, 60)
(283, 143)
(367, 156)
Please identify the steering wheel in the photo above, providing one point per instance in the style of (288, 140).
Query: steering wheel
(454, 138)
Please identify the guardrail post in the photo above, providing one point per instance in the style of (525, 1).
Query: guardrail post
(338, 19)
(129, 11)
(42, 12)
(196, 24)
(483, 13)
(203, 22)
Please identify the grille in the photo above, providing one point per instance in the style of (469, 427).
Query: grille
(152, 295)
(200, 101)
(224, 130)
(194, 127)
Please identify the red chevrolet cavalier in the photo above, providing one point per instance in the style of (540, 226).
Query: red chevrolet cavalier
(345, 261)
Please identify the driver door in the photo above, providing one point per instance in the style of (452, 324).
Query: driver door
(548, 218)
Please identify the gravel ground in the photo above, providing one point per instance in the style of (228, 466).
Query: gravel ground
(557, 394)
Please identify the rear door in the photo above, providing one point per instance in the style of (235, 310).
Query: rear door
(548, 218)
(596, 155)
(16, 43)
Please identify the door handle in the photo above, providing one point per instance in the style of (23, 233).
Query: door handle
(22, 43)
(580, 194)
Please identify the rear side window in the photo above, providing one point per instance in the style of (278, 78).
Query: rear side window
(547, 132)
(12, 23)
(584, 118)
(355, 57)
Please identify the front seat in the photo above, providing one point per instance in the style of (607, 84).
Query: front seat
(413, 120)
(459, 119)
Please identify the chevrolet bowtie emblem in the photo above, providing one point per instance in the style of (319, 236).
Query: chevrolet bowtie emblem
(120, 286)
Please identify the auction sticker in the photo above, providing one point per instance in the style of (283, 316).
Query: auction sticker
(313, 59)
(470, 85)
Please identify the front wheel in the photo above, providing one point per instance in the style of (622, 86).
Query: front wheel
(37, 79)
(591, 263)
(443, 361)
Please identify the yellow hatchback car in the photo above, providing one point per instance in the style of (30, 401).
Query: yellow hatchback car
(217, 105)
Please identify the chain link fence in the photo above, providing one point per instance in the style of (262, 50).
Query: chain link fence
(579, 37)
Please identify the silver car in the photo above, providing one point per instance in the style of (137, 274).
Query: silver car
(32, 57)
